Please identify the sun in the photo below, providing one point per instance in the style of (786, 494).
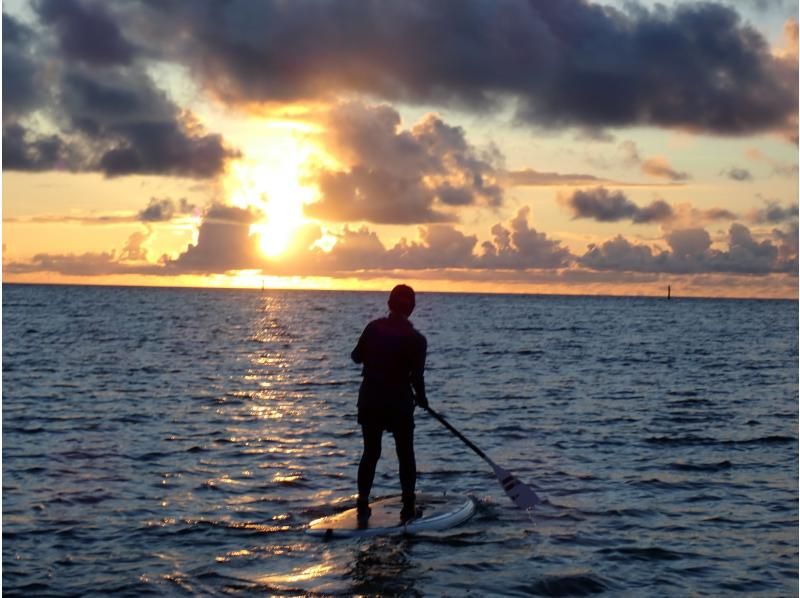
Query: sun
(270, 179)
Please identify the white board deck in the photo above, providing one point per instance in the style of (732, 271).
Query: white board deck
(438, 512)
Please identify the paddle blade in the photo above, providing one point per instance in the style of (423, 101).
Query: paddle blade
(522, 495)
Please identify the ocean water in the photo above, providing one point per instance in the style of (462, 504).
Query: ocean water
(177, 441)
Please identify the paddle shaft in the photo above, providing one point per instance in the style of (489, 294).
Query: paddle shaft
(463, 438)
(522, 495)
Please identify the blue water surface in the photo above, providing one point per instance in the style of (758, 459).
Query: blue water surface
(177, 441)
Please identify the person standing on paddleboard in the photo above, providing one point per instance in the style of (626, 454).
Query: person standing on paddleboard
(393, 354)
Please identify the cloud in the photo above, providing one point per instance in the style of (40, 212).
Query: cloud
(612, 206)
(103, 110)
(85, 69)
(533, 178)
(20, 70)
(788, 245)
(691, 252)
(522, 247)
(396, 176)
(157, 210)
(738, 174)
(529, 177)
(165, 209)
(571, 63)
(224, 243)
(774, 213)
(660, 167)
(27, 151)
(88, 264)
(686, 216)
(134, 249)
(594, 134)
(164, 148)
(656, 166)
(86, 34)
(373, 196)
(440, 246)
(105, 263)
(138, 130)
(783, 169)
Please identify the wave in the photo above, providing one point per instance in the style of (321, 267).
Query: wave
(565, 585)
(719, 466)
(691, 440)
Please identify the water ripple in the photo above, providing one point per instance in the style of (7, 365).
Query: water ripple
(165, 441)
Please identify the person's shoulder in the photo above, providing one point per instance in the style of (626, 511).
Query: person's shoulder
(419, 336)
(375, 324)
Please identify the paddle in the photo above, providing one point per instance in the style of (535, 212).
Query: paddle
(522, 495)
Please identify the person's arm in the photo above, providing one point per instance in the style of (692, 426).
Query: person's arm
(358, 353)
(418, 373)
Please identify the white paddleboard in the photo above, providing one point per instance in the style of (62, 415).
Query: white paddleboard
(438, 512)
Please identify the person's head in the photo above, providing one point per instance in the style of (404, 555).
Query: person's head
(402, 300)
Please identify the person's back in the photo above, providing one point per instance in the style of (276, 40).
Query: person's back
(393, 356)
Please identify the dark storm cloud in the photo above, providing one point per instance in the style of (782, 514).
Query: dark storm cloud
(27, 151)
(397, 176)
(164, 148)
(138, 127)
(567, 63)
(20, 70)
(691, 253)
(86, 32)
(612, 206)
(116, 131)
(124, 96)
(108, 113)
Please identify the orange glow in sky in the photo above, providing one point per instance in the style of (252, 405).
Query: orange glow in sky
(344, 161)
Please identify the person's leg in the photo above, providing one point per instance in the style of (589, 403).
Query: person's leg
(369, 461)
(404, 444)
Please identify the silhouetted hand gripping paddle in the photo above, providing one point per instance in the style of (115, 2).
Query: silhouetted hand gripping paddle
(522, 495)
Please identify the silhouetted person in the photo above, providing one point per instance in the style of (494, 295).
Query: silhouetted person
(393, 354)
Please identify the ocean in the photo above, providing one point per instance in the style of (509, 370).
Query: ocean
(177, 441)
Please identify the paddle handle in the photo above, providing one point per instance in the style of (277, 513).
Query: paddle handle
(463, 438)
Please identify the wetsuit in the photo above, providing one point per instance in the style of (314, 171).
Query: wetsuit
(393, 355)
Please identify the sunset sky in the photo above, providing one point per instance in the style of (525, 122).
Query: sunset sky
(456, 145)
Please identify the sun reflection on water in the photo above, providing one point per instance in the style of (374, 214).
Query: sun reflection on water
(300, 574)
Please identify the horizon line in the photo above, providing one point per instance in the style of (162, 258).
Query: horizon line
(663, 297)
